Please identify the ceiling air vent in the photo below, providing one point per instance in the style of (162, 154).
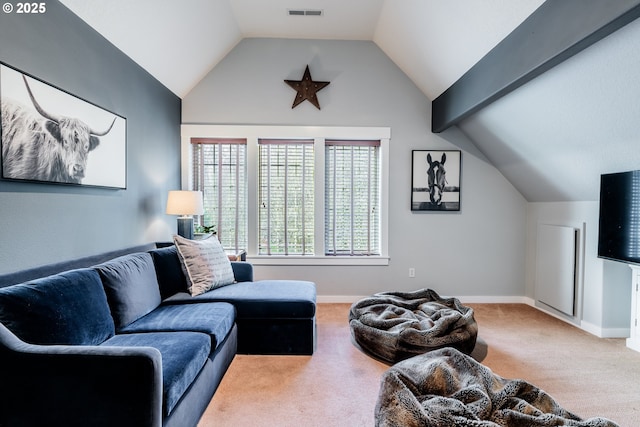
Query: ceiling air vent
(305, 12)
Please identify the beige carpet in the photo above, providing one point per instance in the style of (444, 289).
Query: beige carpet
(338, 385)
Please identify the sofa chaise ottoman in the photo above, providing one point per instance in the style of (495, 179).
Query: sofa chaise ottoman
(273, 316)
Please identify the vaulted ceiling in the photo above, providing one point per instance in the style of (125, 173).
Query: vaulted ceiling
(551, 138)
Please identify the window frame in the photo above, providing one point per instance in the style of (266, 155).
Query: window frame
(220, 144)
(293, 151)
(339, 151)
(252, 133)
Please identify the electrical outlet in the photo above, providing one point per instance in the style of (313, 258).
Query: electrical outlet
(412, 272)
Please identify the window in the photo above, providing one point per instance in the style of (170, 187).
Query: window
(286, 197)
(219, 171)
(352, 198)
(293, 195)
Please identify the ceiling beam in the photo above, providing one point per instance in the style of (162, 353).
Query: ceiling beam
(557, 30)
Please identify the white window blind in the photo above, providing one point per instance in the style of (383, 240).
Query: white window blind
(286, 197)
(220, 172)
(313, 195)
(352, 197)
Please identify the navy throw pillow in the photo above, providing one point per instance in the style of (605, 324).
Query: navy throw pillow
(131, 286)
(171, 278)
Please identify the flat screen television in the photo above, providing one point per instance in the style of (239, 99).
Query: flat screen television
(619, 231)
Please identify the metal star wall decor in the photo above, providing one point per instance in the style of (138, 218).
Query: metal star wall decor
(307, 89)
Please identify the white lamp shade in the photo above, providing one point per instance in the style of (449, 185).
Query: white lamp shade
(185, 203)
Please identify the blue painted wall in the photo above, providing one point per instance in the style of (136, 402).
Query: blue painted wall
(43, 223)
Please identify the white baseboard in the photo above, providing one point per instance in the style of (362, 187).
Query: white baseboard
(495, 300)
(633, 344)
(585, 326)
(350, 299)
(340, 299)
(604, 332)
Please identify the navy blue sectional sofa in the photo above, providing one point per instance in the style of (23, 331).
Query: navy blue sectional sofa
(116, 339)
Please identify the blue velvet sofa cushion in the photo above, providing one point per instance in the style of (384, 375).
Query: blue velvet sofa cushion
(69, 308)
(171, 278)
(183, 356)
(275, 299)
(131, 286)
(213, 319)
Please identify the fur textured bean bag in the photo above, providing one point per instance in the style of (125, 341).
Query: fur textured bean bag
(394, 326)
(447, 388)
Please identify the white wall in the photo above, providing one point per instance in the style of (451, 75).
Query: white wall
(604, 292)
(479, 251)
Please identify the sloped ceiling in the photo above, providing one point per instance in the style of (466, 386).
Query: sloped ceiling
(551, 138)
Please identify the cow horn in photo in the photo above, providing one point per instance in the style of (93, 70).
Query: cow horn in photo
(37, 106)
(96, 133)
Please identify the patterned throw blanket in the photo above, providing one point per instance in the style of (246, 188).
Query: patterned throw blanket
(393, 326)
(446, 388)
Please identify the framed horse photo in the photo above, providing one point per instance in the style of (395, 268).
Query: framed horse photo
(435, 180)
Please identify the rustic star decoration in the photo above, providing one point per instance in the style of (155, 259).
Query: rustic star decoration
(307, 89)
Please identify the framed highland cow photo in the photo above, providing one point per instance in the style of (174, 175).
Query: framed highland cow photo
(49, 135)
(435, 180)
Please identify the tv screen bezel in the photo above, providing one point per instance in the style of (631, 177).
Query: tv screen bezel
(624, 203)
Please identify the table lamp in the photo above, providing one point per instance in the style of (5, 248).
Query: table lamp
(186, 204)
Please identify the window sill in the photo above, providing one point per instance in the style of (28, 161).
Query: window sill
(315, 260)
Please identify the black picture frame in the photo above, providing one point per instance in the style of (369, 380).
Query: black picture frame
(52, 136)
(434, 194)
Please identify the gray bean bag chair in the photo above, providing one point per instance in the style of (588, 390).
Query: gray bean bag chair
(446, 388)
(393, 326)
